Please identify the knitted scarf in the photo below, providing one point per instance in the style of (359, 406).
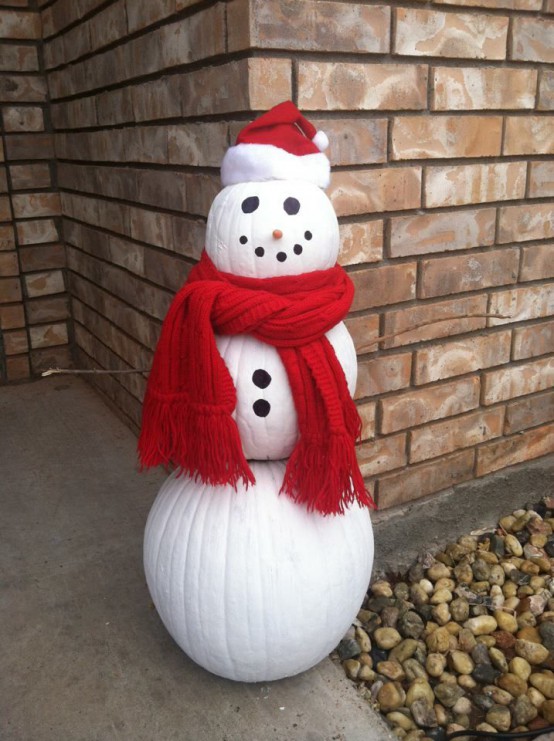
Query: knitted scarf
(187, 414)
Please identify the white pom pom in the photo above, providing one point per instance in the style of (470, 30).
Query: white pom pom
(321, 141)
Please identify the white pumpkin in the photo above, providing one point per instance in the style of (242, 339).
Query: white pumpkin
(249, 584)
(265, 412)
(269, 229)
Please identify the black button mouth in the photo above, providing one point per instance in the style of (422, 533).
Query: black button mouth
(281, 256)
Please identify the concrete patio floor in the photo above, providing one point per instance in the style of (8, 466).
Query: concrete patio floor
(84, 654)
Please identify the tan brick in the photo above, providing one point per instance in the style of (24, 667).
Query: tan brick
(19, 25)
(327, 27)
(497, 4)
(197, 144)
(15, 342)
(367, 415)
(10, 290)
(77, 41)
(537, 262)
(17, 369)
(441, 232)
(197, 37)
(521, 447)
(380, 375)
(29, 146)
(8, 264)
(532, 39)
(460, 432)
(549, 6)
(370, 191)
(546, 91)
(15, 57)
(384, 285)
(48, 309)
(270, 81)
(541, 179)
(141, 15)
(353, 141)
(529, 135)
(7, 238)
(23, 119)
(3, 180)
(47, 335)
(22, 89)
(461, 356)
(518, 380)
(416, 407)
(520, 304)
(469, 272)
(5, 211)
(426, 478)
(44, 284)
(383, 454)
(12, 317)
(36, 204)
(533, 340)
(54, 52)
(359, 87)
(75, 114)
(446, 136)
(529, 412)
(37, 232)
(165, 269)
(152, 227)
(364, 331)
(457, 185)
(526, 222)
(447, 317)
(42, 257)
(114, 106)
(26, 177)
(361, 241)
(471, 88)
(109, 25)
(433, 33)
(188, 236)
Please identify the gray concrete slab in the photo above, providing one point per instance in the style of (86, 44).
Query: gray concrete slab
(84, 654)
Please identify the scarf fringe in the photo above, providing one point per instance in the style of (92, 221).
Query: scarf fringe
(325, 476)
(175, 432)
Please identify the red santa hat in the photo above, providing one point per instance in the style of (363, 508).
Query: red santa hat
(279, 145)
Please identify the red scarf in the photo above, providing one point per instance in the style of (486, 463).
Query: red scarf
(190, 395)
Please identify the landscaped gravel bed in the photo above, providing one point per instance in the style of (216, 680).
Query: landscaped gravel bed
(464, 640)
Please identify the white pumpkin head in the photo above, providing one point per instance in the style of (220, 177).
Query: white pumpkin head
(273, 228)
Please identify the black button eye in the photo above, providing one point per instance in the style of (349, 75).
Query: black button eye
(243, 240)
(307, 235)
(249, 205)
(259, 251)
(291, 206)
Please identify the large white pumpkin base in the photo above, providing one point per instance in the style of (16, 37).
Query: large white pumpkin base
(252, 585)
(249, 584)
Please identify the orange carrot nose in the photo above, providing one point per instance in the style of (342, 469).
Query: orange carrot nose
(277, 234)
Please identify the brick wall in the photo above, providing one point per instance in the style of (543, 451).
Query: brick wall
(439, 116)
(33, 302)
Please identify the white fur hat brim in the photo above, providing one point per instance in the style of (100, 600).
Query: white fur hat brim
(245, 163)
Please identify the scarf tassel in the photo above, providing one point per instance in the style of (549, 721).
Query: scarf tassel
(325, 476)
(175, 433)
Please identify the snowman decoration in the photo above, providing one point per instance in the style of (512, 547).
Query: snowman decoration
(258, 549)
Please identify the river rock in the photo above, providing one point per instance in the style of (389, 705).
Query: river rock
(520, 667)
(410, 624)
(366, 674)
(462, 706)
(503, 640)
(438, 641)
(391, 696)
(459, 609)
(544, 683)
(546, 631)
(381, 588)
(463, 573)
(363, 639)
(414, 670)
(481, 625)
(512, 545)
(389, 617)
(448, 694)
(441, 614)
(524, 711)
(466, 640)
(499, 717)
(404, 650)
(391, 670)
(485, 674)
(512, 684)
(505, 621)
(481, 570)
(387, 638)
(423, 713)
(497, 694)
(496, 575)
(460, 662)
(352, 668)
(435, 664)
(547, 711)
(348, 648)
(498, 659)
(419, 689)
(532, 652)
(437, 571)
(401, 720)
